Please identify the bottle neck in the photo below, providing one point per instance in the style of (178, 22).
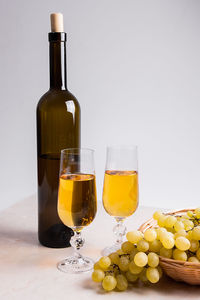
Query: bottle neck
(57, 59)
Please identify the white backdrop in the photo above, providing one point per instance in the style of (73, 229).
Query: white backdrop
(135, 68)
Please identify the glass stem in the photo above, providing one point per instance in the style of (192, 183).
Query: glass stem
(119, 230)
(77, 242)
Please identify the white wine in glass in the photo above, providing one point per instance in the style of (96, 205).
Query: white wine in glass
(80, 208)
(120, 191)
(77, 202)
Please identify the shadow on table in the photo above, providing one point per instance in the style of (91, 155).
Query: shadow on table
(165, 288)
(11, 235)
(170, 287)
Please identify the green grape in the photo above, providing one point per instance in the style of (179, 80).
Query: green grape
(179, 255)
(104, 262)
(196, 233)
(140, 259)
(190, 213)
(178, 226)
(198, 253)
(181, 232)
(98, 275)
(168, 241)
(127, 247)
(143, 246)
(170, 221)
(161, 220)
(171, 230)
(132, 254)
(166, 252)
(96, 266)
(114, 257)
(189, 235)
(152, 274)
(182, 243)
(197, 212)
(160, 231)
(131, 277)
(134, 236)
(153, 260)
(188, 224)
(124, 263)
(193, 259)
(134, 269)
(109, 283)
(122, 282)
(194, 245)
(150, 235)
(157, 214)
(143, 276)
(170, 234)
(166, 235)
(155, 246)
(160, 271)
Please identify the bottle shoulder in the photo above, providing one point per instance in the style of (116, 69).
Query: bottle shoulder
(57, 98)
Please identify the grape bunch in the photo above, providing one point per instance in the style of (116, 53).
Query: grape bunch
(175, 237)
(179, 235)
(135, 260)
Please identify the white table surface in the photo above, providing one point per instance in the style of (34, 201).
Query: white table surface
(28, 270)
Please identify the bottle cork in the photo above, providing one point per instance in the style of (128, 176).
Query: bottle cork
(57, 22)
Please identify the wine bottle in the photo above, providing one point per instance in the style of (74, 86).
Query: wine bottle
(58, 127)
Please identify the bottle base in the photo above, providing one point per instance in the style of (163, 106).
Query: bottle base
(57, 236)
(54, 246)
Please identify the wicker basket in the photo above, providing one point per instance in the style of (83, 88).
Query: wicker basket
(188, 272)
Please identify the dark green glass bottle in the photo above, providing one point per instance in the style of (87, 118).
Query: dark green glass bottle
(58, 127)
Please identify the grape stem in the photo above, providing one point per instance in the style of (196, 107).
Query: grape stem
(111, 272)
(125, 255)
(116, 266)
(191, 253)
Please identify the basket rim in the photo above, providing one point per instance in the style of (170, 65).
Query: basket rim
(176, 263)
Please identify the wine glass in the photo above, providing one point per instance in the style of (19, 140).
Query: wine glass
(77, 202)
(120, 191)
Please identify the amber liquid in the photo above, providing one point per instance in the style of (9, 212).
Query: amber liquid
(77, 200)
(120, 193)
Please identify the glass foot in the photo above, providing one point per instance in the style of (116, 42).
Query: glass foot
(75, 265)
(106, 251)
